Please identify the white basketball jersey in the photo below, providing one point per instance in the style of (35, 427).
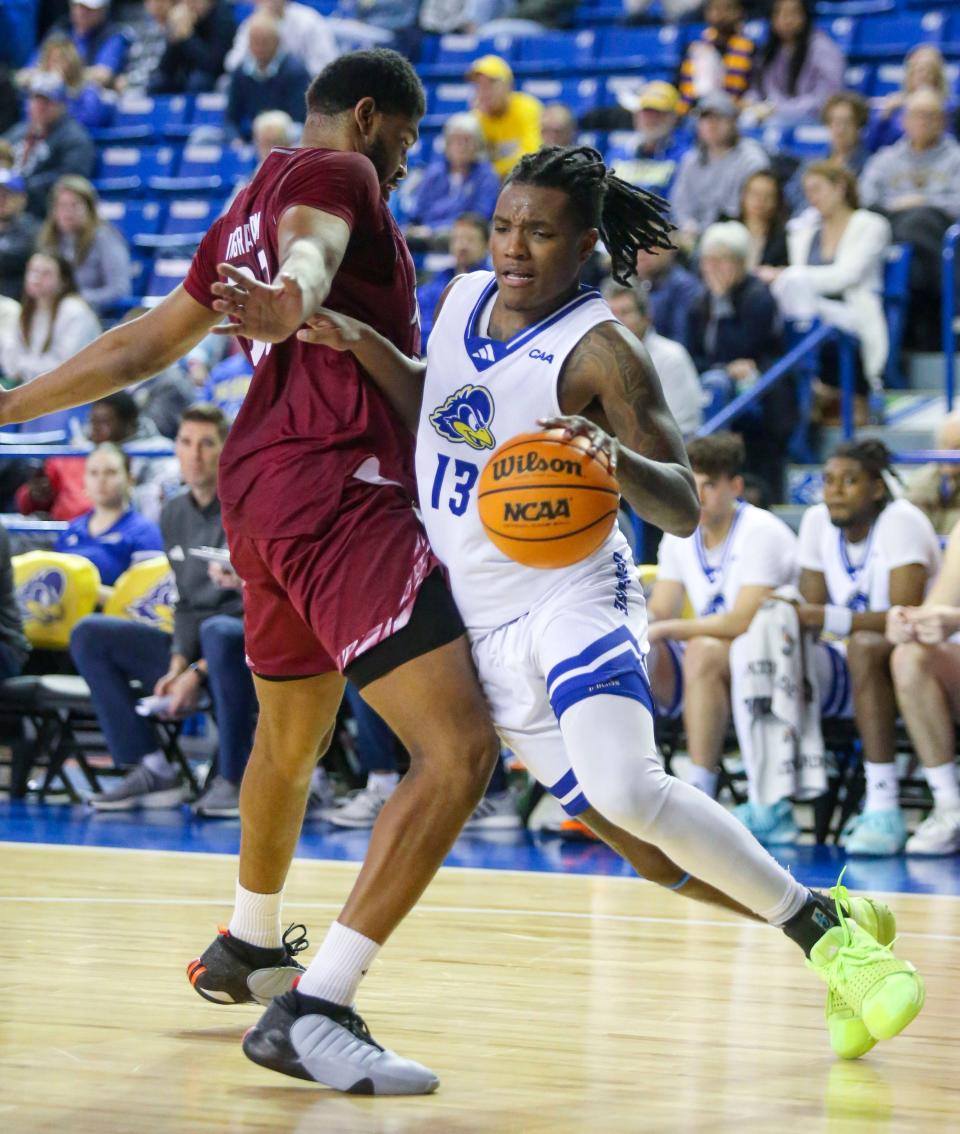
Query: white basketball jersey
(759, 550)
(478, 393)
(858, 574)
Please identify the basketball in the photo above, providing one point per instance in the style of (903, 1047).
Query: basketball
(546, 502)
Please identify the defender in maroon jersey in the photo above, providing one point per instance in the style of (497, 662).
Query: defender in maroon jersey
(317, 489)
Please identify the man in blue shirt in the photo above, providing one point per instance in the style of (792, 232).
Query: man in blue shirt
(102, 46)
(267, 79)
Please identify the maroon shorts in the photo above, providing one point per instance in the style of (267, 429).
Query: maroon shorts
(314, 603)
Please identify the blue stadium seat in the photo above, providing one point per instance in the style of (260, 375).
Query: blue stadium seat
(896, 298)
(842, 30)
(887, 78)
(207, 168)
(165, 276)
(579, 94)
(558, 54)
(616, 85)
(858, 78)
(445, 99)
(892, 36)
(132, 218)
(855, 7)
(455, 53)
(598, 13)
(192, 215)
(137, 116)
(808, 142)
(209, 110)
(127, 169)
(623, 49)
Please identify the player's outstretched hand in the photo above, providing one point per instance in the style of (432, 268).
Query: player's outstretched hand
(582, 432)
(269, 313)
(330, 328)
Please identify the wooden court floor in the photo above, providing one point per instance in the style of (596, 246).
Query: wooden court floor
(545, 1003)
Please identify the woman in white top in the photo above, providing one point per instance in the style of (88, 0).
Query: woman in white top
(837, 253)
(54, 321)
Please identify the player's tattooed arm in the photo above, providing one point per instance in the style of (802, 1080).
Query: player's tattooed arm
(400, 378)
(610, 392)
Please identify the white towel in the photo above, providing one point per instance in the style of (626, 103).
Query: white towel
(778, 684)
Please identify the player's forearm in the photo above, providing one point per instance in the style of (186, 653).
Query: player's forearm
(663, 494)
(813, 616)
(111, 362)
(398, 377)
(313, 270)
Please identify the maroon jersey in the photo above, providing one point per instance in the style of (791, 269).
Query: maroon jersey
(311, 418)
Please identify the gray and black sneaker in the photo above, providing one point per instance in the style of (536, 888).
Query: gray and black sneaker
(308, 1038)
(142, 788)
(232, 972)
(220, 800)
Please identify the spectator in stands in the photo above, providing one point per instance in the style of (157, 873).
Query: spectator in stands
(652, 159)
(49, 143)
(558, 125)
(721, 59)
(55, 321)
(6, 154)
(509, 119)
(462, 181)
(304, 34)
(734, 561)
(113, 535)
(860, 551)
(101, 44)
(711, 174)
(673, 291)
(837, 257)
(468, 247)
(762, 214)
(924, 67)
(530, 17)
(14, 647)
(148, 42)
(935, 488)
(18, 233)
(915, 183)
(845, 115)
(799, 68)
(204, 652)
(227, 383)
(198, 35)
(272, 128)
(97, 252)
(268, 79)
(445, 17)
(926, 676)
(735, 335)
(86, 101)
(678, 375)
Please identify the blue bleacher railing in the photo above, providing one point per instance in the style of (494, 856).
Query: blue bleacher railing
(43, 451)
(796, 356)
(948, 312)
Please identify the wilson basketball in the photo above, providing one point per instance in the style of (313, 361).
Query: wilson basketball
(545, 502)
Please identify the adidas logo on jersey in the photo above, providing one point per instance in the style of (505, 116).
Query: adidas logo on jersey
(485, 353)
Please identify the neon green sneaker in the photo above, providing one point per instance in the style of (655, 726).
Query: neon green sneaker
(849, 1037)
(864, 978)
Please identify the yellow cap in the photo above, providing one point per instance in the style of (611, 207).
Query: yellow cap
(492, 66)
(659, 95)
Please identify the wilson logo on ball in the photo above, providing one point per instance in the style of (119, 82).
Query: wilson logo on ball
(532, 462)
(535, 510)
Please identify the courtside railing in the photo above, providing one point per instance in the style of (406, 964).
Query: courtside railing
(948, 313)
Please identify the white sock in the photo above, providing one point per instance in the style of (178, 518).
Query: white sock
(383, 782)
(341, 963)
(157, 763)
(883, 788)
(256, 918)
(703, 779)
(945, 785)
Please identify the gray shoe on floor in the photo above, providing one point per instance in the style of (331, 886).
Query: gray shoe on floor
(142, 788)
(221, 800)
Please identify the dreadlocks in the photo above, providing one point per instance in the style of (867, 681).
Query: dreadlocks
(629, 219)
(875, 459)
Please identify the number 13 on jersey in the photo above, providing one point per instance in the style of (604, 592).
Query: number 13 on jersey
(465, 475)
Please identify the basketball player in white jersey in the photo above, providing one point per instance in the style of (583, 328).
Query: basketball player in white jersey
(561, 653)
(726, 570)
(860, 552)
(926, 675)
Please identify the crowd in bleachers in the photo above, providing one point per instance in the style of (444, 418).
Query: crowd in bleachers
(806, 152)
